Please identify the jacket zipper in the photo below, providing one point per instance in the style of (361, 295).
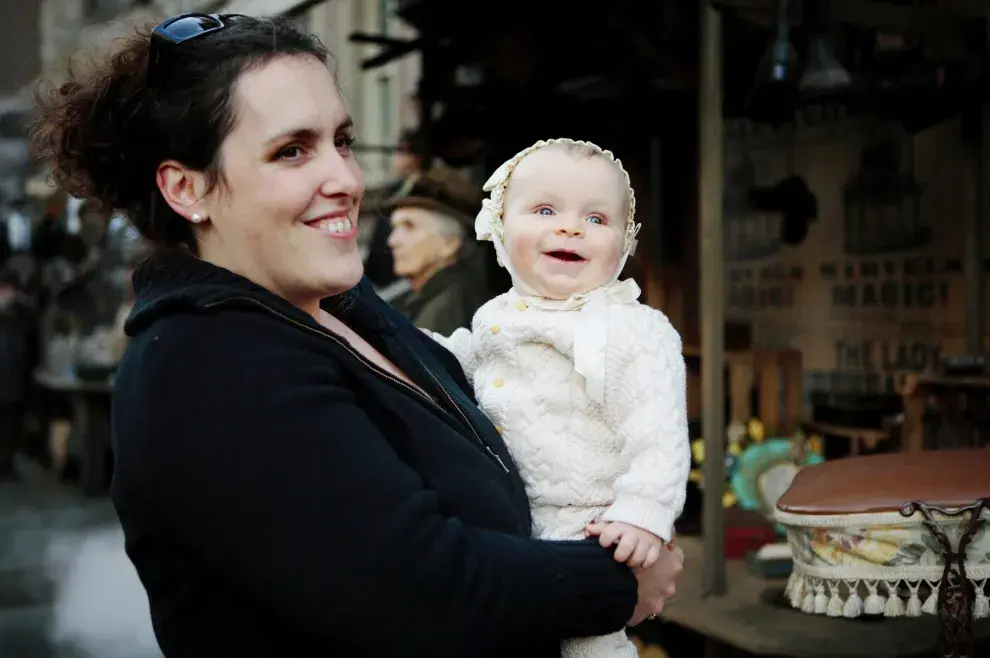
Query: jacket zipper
(378, 371)
(494, 455)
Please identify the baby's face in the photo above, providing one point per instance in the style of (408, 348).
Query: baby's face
(565, 221)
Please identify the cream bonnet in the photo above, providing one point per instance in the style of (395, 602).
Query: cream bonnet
(592, 336)
(489, 224)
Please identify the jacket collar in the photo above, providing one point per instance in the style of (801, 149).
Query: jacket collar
(171, 282)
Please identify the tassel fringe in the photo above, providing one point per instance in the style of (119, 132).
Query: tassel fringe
(897, 598)
(981, 606)
(874, 604)
(895, 604)
(931, 603)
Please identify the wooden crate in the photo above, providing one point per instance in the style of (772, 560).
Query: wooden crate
(776, 376)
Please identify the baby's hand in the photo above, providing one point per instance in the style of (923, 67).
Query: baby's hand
(636, 547)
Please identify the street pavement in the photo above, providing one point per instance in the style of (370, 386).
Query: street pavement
(67, 589)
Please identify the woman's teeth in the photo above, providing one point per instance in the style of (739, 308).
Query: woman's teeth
(334, 226)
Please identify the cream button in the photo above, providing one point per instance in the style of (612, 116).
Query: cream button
(521, 305)
(498, 383)
(496, 329)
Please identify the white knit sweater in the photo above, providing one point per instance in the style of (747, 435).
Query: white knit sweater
(625, 460)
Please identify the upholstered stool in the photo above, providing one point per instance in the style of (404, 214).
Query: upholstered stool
(883, 534)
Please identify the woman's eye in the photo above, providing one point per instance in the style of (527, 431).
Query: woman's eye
(544, 211)
(345, 143)
(293, 152)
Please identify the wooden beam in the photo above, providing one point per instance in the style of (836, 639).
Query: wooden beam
(377, 39)
(391, 53)
(712, 297)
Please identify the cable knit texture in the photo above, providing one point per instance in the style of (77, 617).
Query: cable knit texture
(625, 460)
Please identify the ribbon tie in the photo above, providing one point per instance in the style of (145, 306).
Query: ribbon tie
(591, 333)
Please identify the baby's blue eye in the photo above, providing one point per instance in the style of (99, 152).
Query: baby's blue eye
(545, 211)
(595, 219)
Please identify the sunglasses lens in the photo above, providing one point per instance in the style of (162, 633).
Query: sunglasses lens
(189, 26)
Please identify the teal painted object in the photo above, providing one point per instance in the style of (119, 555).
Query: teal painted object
(759, 459)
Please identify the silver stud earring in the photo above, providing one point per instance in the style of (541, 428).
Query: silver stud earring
(196, 218)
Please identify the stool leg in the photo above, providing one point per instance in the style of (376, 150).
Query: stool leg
(956, 593)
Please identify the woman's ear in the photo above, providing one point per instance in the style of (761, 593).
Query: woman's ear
(182, 188)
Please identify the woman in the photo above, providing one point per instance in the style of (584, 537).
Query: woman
(297, 477)
(429, 225)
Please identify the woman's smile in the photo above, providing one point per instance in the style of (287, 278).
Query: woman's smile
(340, 227)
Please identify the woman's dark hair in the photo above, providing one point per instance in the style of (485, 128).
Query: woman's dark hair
(104, 132)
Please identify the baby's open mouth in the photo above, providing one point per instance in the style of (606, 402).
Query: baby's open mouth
(568, 256)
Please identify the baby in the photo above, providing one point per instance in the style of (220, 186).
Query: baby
(586, 384)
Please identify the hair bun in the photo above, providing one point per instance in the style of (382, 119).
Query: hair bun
(88, 128)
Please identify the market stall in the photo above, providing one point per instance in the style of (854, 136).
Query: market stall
(736, 603)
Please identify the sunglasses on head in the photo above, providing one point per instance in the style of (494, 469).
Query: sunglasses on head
(172, 33)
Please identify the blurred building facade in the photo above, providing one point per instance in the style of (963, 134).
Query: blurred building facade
(19, 64)
(380, 100)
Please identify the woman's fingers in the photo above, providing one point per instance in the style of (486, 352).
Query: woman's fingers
(676, 568)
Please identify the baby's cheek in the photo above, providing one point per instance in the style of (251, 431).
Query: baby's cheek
(611, 263)
(609, 260)
(522, 248)
(603, 273)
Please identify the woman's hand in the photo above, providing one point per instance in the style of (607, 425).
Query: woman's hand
(657, 584)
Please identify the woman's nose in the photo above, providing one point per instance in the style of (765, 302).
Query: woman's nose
(343, 179)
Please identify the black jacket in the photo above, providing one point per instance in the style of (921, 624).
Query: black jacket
(283, 498)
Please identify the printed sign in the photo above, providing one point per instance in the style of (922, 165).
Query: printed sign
(859, 317)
